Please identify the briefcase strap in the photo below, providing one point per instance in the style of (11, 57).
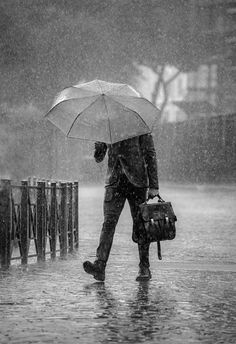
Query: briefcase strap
(159, 250)
(158, 243)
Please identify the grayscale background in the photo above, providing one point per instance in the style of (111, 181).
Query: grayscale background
(181, 55)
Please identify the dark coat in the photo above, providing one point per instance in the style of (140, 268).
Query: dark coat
(135, 157)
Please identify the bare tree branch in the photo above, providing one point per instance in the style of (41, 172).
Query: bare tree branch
(160, 71)
(166, 96)
(167, 82)
(162, 83)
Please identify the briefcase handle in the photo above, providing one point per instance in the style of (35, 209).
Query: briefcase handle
(158, 196)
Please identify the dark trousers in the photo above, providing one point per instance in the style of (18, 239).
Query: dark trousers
(114, 201)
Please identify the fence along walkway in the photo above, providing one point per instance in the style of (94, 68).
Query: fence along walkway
(46, 213)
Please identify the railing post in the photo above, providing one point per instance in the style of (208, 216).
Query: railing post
(5, 222)
(64, 227)
(53, 221)
(76, 214)
(24, 223)
(41, 222)
(70, 219)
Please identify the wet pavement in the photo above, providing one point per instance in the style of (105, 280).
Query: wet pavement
(190, 299)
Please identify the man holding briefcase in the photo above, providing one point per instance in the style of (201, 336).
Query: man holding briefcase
(132, 175)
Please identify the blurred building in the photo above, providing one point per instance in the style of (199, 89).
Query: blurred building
(211, 88)
(208, 89)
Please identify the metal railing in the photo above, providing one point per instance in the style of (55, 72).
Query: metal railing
(40, 211)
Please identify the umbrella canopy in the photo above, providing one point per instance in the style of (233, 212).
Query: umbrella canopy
(102, 111)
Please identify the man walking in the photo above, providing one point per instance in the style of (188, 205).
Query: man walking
(132, 175)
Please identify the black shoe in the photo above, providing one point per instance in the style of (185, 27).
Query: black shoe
(97, 269)
(144, 274)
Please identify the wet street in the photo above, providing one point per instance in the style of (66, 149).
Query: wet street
(190, 299)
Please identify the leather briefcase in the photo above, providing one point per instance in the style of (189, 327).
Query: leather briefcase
(159, 222)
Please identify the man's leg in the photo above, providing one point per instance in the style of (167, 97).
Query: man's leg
(135, 197)
(144, 271)
(113, 205)
(114, 201)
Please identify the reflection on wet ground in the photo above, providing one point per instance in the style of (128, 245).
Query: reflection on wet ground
(190, 299)
(57, 303)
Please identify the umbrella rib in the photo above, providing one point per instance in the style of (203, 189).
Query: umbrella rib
(126, 85)
(116, 88)
(67, 100)
(144, 99)
(109, 122)
(78, 116)
(148, 101)
(136, 113)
